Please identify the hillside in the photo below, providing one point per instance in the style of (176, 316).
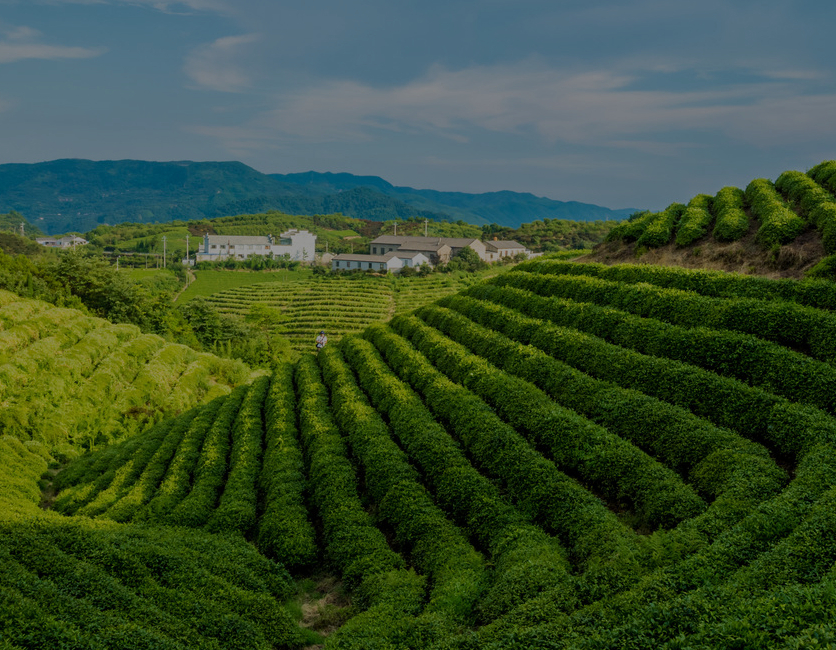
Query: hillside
(566, 456)
(66, 377)
(77, 195)
(335, 304)
(509, 209)
(337, 233)
(10, 223)
(785, 228)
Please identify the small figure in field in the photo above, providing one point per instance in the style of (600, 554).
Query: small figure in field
(321, 340)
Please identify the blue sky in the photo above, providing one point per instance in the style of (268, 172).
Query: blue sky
(635, 103)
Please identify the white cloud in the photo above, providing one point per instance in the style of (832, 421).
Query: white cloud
(593, 108)
(178, 5)
(19, 33)
(21, 43)
(212, 66)
(166, 6)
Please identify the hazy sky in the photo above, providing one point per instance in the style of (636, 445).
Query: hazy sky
(635, 103)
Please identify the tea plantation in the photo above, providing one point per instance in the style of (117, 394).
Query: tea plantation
(564, 456)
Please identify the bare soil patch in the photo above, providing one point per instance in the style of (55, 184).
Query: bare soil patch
(49, 493)
(745, 256)
(325, 607)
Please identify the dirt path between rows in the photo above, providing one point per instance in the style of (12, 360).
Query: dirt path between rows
(191, 278)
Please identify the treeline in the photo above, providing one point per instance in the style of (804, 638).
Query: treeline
(76, 278)
(10, 222)
(551, 235)
(335, 232)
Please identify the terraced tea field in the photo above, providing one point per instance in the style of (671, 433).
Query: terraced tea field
(564, 456)
(337, 305)
(70, 378)
(795, 204)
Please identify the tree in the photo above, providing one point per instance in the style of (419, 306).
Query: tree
(466, 259)
(271, 346)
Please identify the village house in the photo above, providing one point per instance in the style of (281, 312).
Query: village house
(298, 244)
(67, 241)
(391, 262)
(497, 250)
(440, 249)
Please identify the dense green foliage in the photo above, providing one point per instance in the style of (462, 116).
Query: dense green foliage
(779, 224)
(549, 235)
(695, 221)
(632, 229)
(76, 583)
(67, 377)
(783, 210)
(813, 202)
(660, 229)
(11, 222)
(649, 229)
(732, 221)
(565, 456)
(717, 284)
(76, 278)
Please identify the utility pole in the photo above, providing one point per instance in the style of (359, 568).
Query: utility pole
(187, 249)
(426, 221)
(164, 239)
(396, 229)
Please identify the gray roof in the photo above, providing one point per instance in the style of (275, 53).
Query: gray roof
(504, 243)
(432, 246)
(453, 242)
(63, 239)
(239, 240)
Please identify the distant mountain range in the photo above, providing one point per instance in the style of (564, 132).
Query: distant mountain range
(77, 195)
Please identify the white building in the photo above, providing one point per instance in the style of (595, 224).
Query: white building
(67, 241)
(298, 244)
(390, 262)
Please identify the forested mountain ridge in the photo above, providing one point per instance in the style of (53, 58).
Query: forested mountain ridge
(505, 208)
(77, 195)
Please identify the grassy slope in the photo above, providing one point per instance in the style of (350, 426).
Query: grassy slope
(208, 283)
